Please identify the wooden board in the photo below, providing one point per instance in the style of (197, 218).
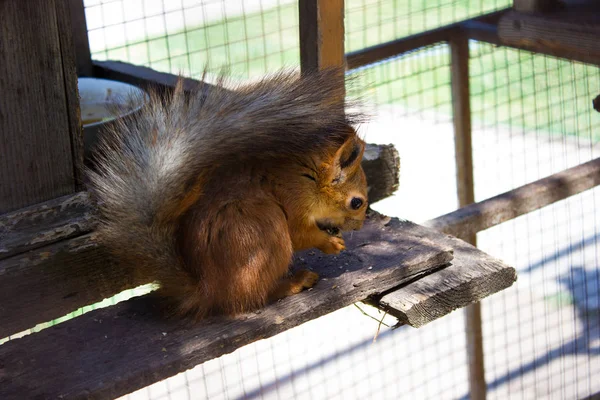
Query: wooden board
(382, 168)
(522, 200)
(46, 223)
(80, 38)
(113, 351)
(471, 276)
(49, 271)
(321, 34)
(52, 281)
(571, 33)
(536, 5)
(37, 117)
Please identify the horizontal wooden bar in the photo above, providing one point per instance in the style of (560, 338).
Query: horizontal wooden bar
(470, 277)
(140, 76)
(504, 207)
(113, 351)
(571, 33)
(46, 223)
(488, 33)
(373, 54)
(482, 31)
(54, 280)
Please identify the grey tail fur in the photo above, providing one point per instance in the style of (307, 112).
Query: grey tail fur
(151, 165)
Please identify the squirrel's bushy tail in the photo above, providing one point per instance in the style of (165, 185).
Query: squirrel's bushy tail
(151, 166)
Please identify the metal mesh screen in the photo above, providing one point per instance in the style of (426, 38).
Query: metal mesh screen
(533, 116)
(184, 36)
(371, 22)
(335, 357)
(410, 102)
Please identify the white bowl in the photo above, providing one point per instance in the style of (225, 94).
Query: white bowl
(95, 99)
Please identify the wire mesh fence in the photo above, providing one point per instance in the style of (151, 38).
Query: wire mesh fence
(249, 38)
(336, 356)
(532, 116)
(371, 22)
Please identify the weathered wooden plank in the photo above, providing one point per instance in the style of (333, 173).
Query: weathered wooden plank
(54, 280)
(69, 66)
(80, 38)
(535, 5)
(571, 33)
(46, 223)
(36, 156)
(506, 206)
(113, 351)
(472, 276)
(382, 168)
(38, 235)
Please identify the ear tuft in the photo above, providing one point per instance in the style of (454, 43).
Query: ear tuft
(346, 159)
(346, 162)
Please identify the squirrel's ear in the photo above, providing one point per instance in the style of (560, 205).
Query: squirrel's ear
(347, 159)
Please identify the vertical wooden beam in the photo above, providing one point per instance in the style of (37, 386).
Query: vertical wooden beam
(321, 34)
(461, 107)
(37, 120)
(81, 41)
(70, 65)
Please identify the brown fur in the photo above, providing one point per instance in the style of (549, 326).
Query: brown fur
(210, 195)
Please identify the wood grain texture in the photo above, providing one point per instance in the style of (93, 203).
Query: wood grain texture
(36, 159)
(113, 351)
(321, 34)
(69, 66)
(535, 5)
(522, 200)
(570, 33)
(382, 167)
(81, 42)
(471, 276)
(52, 281)
(46, 223)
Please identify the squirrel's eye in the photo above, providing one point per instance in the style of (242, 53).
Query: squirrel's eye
(356, 203)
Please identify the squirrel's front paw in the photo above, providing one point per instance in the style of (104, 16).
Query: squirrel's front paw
(334, 245)
(306, 278)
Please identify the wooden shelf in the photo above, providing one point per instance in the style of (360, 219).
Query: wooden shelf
(570, 32)
(411, 271)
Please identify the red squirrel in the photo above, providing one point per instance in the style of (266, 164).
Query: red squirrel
(209, 193)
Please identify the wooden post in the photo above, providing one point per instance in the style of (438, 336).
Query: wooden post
(40, 156)
(461, 107)
(81, 41)
(321, 34)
